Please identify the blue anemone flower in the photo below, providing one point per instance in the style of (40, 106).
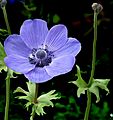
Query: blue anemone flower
(41, 54)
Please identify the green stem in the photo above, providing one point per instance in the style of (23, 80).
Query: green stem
(8, 71)
(7, 94)
(88, 105)
(6, 20)
(35, 98)
(93, 68)
(94, 48)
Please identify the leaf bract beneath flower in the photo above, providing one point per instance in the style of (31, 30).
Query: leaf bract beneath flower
(42, 101)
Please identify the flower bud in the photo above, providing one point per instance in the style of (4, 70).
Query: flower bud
(97, 7)
(3, 3)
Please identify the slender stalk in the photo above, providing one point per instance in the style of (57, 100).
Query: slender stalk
(93, 68)
(36, 93)
(8, 71)
(88, 105)
(7, 95)
(6, 19)
(94, 48)
(35, 98)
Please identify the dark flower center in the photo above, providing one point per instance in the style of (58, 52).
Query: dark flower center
(41, 54)
(40, 57)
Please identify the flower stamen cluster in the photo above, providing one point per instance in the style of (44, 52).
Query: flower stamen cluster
(40, 57)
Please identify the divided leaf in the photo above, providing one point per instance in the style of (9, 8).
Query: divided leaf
(29, 95)
(45, 101)
(99, 83)
(2, 56)
(80, 83)
(42, 101)
(94, 88)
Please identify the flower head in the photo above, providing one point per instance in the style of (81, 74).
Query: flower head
(41, 54)
(97, 7)
(3, 3)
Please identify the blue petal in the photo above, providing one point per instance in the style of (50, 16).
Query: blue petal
(56, 38)
(60, 65)
(72, 47)
(38, 75)
(14, 45)
(18, 63)
(33, 32)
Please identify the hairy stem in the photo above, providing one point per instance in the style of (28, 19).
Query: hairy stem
(35, 98)
(8, 71)
(93, 68)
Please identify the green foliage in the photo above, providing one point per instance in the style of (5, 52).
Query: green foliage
(29, 9)
(3, 34)
(56, 18)
(80, 83)
(2, 99)
(69, 110)
(98, 113)
(2, 56)
(72, 110)
(93, 88)
(42, 101)
(99, 83)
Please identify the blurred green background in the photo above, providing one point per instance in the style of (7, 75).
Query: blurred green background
(77, 15)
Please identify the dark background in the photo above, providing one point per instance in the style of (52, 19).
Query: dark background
(77, 15)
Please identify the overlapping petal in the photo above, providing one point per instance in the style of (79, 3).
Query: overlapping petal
(56, 37)
(38, 75)
(14, 45)
(60, 65)
(72, 47)
(33, 32)
(18, 63)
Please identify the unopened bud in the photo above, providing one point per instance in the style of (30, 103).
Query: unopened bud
(97, 7)
(3, 3)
